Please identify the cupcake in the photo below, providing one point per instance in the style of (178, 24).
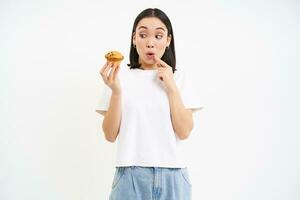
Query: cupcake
(114, 56)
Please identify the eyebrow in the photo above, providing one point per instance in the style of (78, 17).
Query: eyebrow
(158, 28)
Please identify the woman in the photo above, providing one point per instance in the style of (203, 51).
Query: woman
(148, 106)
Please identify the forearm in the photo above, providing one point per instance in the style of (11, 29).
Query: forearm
(112, 119)
(182, 119)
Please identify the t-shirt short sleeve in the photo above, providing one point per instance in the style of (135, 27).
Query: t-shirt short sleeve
(188, 91)
(104, 99)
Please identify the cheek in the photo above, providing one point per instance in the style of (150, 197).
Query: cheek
(161, 48)
(139, 46)
(139, 42)
(162, 45)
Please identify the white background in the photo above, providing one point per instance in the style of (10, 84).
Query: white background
(244, 56)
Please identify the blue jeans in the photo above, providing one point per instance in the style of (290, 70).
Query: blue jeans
(150, 183)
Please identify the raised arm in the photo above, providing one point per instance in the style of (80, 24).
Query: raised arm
(112, 117)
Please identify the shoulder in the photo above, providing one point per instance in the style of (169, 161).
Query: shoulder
(180, 74)
(124, 68)
(124, 71)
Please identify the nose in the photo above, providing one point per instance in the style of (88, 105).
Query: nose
(150, 43)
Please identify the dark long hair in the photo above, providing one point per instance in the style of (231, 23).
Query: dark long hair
(169, 55)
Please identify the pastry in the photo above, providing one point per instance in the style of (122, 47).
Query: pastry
(114, 56)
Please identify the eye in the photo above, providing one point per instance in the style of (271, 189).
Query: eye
(159, 36)
(142, 35)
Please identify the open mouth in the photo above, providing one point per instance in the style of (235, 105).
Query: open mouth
(150, 55)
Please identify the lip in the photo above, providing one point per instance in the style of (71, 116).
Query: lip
(150, 55)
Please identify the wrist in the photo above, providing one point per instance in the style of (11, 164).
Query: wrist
(116, 92)
(172, 91)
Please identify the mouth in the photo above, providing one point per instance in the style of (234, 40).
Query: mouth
(150, 55)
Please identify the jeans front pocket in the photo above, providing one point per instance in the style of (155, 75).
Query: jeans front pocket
(185, 175)
(118, 175)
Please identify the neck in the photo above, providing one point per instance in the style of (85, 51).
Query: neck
(148, 67)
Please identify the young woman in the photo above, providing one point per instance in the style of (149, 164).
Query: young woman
(148, 106)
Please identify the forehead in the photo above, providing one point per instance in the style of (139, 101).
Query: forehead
(151, 23)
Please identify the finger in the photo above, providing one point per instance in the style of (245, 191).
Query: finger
(116, 72)
(103, 68)
(160, 62)
(161, 67)
(105, 72)
(113, 71)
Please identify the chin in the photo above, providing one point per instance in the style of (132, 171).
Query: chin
(149, 62)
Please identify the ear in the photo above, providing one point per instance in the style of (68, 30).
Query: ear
(169, 40)
(133, 38)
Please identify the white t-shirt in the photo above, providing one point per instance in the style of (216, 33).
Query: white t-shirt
(146, 136)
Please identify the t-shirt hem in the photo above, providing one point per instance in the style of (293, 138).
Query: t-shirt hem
(151, 165)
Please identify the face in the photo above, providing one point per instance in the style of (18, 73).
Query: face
(151, 38)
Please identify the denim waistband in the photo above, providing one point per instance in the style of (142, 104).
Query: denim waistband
(153, 168)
